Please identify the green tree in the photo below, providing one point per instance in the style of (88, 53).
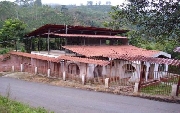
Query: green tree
(158, 19)
(153, 24)
(7, 10)
(12, 31)
(118, 19)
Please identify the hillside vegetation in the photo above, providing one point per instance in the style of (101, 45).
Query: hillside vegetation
(153, 25)
(35, 16)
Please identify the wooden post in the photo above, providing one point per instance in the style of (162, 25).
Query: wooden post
(60, 39)
(111, 69)
(86, 73)
(48, 40)
(58, 68)
(140, 77)
(66, 29)
(177, 91)
(38, 45)
(16, 45)
(31, 43)
(140, 81)
(86, 69)
(115, 65)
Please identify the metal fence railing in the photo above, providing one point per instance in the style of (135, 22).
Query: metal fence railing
(161, 85)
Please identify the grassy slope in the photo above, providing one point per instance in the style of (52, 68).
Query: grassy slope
(9, 106)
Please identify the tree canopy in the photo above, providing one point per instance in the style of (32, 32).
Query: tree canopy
(35, 16)
(158, 19)
(12, 31)
(7, 10)
(153, 24)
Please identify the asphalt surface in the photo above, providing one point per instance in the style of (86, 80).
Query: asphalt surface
(71, 100)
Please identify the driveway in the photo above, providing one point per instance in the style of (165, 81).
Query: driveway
(71, 100)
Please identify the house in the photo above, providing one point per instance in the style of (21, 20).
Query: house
(98, 52)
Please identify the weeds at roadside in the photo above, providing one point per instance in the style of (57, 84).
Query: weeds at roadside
(10, 106)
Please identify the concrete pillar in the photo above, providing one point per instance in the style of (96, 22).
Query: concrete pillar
(49, 72)
(107, 83)
(138, 69)
(174, 90)
(12, 68)
(156, 71)
(64, 75)
(63, 66)
(166, 67)
(22, 68)
(83, 79)
(136, 87)
(147, 71)
(36, 70)
(104, 70)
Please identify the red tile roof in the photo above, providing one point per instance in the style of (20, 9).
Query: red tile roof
(40, 57)
(46, 58)
(73, 30)
(111, 51)
(173, 62)
(87, 36)
(83, 60)
(101, 62)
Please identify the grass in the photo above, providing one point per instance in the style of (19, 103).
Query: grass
(160, 89)
(164, 88)
(10, 106)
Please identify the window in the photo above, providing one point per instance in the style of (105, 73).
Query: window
(128, 68)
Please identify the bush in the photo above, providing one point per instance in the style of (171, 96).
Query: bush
(23, 49)
(4, 51)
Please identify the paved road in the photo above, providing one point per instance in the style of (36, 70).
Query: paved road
(69, 100)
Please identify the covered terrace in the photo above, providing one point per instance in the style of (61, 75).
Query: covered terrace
(75, 35)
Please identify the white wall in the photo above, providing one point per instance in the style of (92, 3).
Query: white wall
(117, 69)
(82, 67)
(90, 70)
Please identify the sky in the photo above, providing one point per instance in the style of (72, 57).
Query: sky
(77, 2)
